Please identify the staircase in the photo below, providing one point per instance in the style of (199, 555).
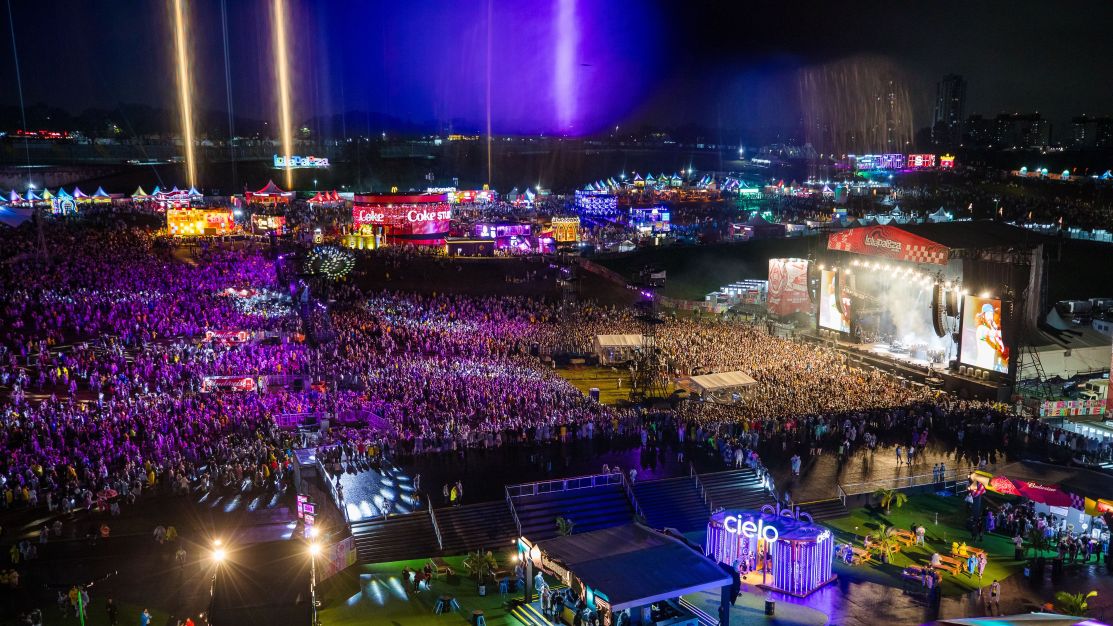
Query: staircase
(464, 528)
(735, 489)
(821, 510)
(672, 503)
(591, 508)
(396, 538)
(529, 615)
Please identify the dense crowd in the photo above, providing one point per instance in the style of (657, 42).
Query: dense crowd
(107, 347)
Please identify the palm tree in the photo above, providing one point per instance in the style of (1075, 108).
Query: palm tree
(480, 565)
(885, 540)
(888, 497)
(565, 526)
(1073, 603)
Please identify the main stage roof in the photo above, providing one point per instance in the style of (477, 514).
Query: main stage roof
(633, 566)
(976, 234)
(931, 243)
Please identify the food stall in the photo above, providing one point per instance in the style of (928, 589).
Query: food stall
(199, 222)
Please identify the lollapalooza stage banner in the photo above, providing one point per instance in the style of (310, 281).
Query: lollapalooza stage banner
(788, 286)
(889, 242)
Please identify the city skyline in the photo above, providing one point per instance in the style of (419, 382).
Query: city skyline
(740, 68)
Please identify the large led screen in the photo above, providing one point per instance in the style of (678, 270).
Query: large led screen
(983, 343)
(830, 315)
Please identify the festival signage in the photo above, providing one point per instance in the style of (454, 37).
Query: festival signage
(227, 337)
(198, 222)
(920, 161)
(1050, 495)
(889, 242)
(1072, 408)
(300, 162)
(566, 229)
(336, 558)
(227, 383)
(734, 525)
(788, 286)
(405, 217)
(269, 223)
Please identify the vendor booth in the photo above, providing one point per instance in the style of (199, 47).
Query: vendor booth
(1072, 499)
(566, 229)
(199, 222)
(402, 219)
(792, 555)
(627, 574)
(268, 223)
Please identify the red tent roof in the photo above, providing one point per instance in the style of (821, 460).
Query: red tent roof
(271, 189)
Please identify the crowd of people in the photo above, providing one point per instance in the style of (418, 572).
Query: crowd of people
(120, 355)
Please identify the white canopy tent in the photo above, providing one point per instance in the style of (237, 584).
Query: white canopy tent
(617, 348)
(718, 386)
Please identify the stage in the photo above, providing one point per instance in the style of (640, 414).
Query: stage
(915, 370)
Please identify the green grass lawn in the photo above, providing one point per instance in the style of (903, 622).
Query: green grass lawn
(606, 379)
(374, 594)
(925, 510)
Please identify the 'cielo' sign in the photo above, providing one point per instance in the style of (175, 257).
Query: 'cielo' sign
(734, 524)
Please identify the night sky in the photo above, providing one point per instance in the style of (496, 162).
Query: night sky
(566, 66)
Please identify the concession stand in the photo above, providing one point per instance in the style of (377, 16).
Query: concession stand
(199, 222)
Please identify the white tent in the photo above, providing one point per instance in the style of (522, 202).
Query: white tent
(718, 383)
(617, 348)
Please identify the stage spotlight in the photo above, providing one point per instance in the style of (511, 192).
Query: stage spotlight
(985, 294)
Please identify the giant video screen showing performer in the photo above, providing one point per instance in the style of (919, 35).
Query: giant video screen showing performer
(983, 342)
(831, 315)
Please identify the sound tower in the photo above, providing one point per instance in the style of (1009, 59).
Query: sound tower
(952, 302)
(938, 311)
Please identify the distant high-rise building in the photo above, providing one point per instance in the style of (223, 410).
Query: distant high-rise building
(1022, 130)
(979, 131)
(950, 109)
(1092, 132)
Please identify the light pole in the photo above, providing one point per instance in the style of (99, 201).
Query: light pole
(314, 552)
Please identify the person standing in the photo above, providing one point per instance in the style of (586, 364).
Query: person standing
(112, 610)
(900, 460)
(145, 618)
(995, 597)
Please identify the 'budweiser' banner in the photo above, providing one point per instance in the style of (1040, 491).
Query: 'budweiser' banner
(889, 242)
(1050, 495)
(788, 286)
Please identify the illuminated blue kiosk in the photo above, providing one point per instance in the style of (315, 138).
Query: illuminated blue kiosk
(792, 554)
